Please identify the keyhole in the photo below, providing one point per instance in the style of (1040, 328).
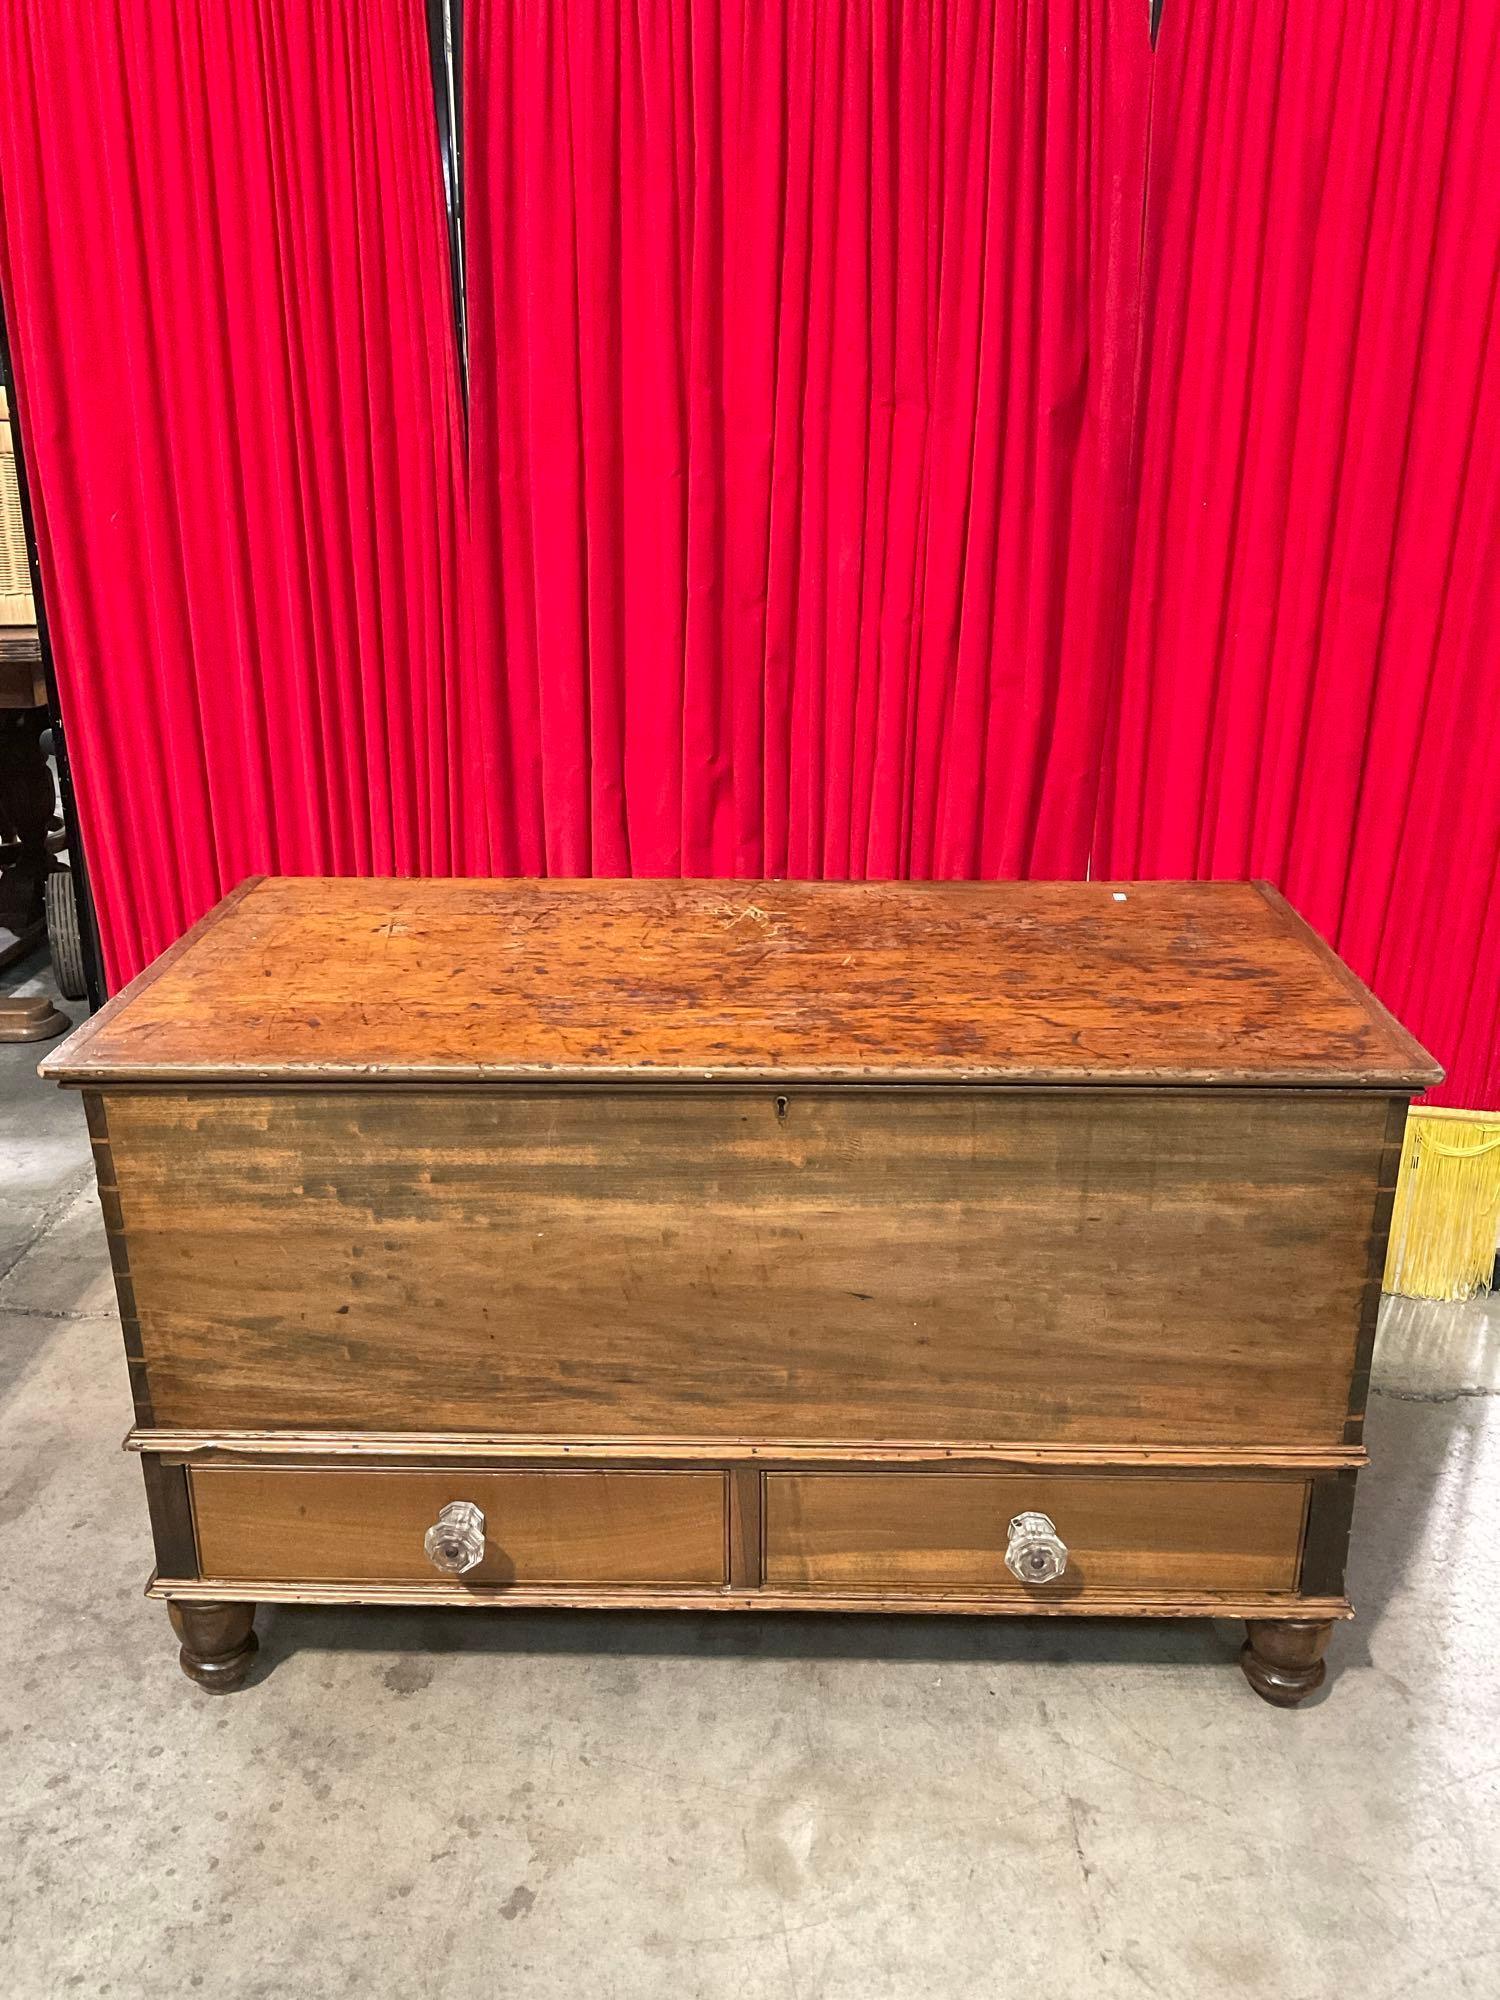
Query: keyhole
(782, 1107)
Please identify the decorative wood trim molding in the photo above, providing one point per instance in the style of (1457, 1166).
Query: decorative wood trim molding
(952, 1604)
(401, 1447)
(174, 1080)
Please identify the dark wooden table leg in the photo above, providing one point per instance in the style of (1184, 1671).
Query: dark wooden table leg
(218, 1643)
(1283, 1657)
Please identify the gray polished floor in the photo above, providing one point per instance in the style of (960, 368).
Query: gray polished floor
(450, 1806)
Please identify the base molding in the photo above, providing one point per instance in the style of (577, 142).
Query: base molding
(950, 1604)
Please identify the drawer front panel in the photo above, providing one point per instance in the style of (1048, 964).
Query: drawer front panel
(1107, 1268)
(878, 1531)
(540, 1527)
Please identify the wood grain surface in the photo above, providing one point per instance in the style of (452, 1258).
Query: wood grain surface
(231, 1447)
(1109, 1268)
(540, 1527)
(628, 1597)
(849, 1530)
(1077, 982)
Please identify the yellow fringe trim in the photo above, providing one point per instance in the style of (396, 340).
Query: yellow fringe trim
(1447, 1210)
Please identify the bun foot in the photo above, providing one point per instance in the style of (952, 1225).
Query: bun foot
(218, 1643)
(1283, 1657)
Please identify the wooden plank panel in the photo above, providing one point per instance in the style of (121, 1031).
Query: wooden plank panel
(1075, 982)
(1380, 1231)
(1110, 1268)
(540, 1527)
(881, 1531)
(119, 1263)
(745, 1513)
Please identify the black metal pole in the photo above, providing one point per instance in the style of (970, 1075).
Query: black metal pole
(88, 927)
(445, 37)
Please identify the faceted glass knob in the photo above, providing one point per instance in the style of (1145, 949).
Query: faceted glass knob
(1035, 1552)
(455, 1541)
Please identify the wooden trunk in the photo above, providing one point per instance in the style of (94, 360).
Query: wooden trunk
(744, 1245)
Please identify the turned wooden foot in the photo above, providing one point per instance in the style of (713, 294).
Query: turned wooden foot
(218, 1643)
(1283, 1657)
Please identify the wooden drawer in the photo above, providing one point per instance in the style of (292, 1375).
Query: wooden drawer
(895, 1531)
(335, 1526)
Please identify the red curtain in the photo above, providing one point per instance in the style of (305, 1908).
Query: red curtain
(876, 467)
(802, 342)
(1310, 688)
(224, 261)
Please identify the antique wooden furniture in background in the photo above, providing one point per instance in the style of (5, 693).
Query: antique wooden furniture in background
(26, 803)
(931, 1247)
(27, 795)
(25, 782)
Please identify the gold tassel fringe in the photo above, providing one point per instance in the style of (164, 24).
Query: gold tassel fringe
(1447, 1205)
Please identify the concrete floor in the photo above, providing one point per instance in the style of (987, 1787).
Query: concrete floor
(438, 1805)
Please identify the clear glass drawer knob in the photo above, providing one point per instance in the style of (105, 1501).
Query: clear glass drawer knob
(1035, 1551)
(455, 1541)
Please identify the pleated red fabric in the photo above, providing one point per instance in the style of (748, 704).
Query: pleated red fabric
(802, 344)
(909, 437)
(224, 260)
(1310, 688)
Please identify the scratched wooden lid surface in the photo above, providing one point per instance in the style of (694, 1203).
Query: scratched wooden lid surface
(392, 982)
